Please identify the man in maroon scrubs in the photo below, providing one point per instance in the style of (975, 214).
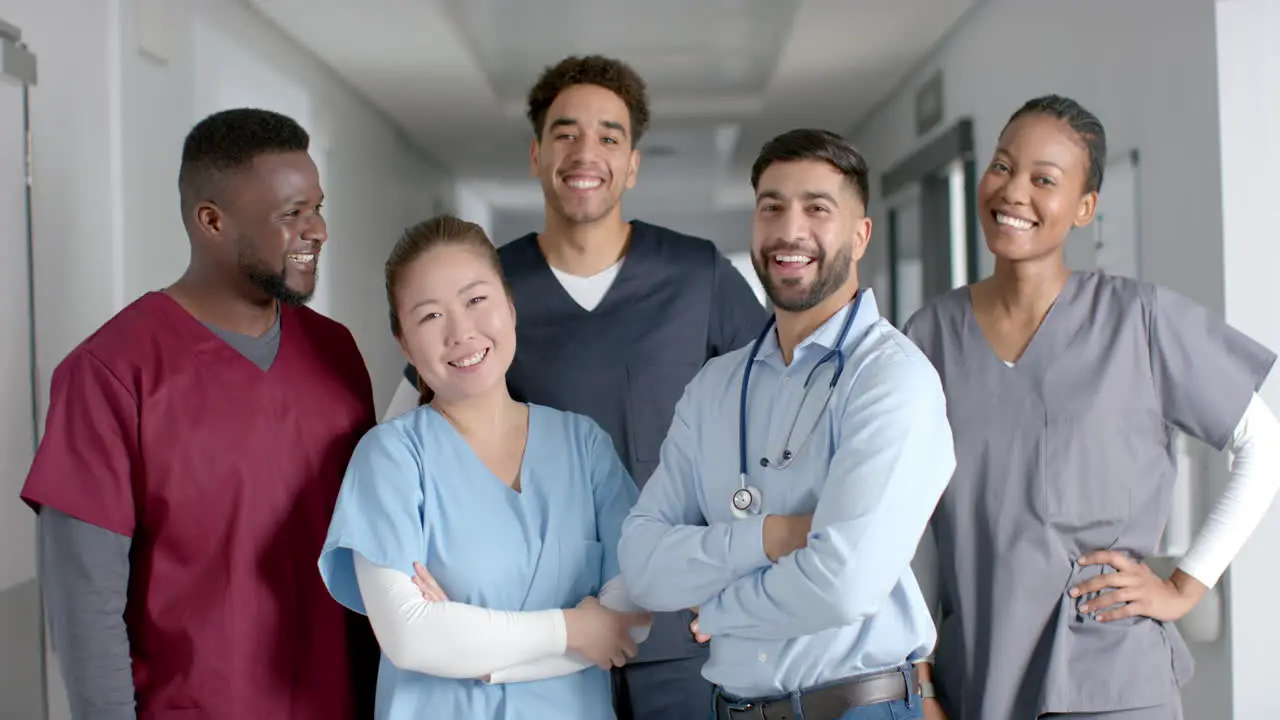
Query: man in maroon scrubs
(192, 456)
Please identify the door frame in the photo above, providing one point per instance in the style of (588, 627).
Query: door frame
(950, 153)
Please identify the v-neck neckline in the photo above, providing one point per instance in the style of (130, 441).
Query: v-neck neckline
(1042, 349)
(522, 475)
(204, 337)
(637, 241)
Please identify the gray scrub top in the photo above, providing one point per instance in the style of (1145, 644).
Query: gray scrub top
(1069, 451)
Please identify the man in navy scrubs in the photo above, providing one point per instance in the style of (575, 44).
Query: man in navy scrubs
(615, 318)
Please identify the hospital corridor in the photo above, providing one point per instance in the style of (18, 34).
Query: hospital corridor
(876, 359)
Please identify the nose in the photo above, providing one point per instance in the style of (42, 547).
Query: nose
(1016, 190)
(458, 328)
(794, 226)
(316, 230)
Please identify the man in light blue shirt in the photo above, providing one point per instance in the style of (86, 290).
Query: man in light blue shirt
(796, 547)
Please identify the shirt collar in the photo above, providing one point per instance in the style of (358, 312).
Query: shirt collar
(827, 333)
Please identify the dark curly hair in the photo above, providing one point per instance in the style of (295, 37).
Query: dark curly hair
(611, 74)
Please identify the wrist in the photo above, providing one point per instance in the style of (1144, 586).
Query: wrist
(1189, 589)
(570, 623)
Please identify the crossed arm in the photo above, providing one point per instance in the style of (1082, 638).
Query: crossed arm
(421, 630)
(893, 459)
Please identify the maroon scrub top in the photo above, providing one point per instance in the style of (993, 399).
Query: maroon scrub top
(225, 477)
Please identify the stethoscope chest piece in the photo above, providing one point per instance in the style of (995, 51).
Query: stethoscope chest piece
(746, 502)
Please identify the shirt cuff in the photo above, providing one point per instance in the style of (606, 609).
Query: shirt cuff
(746, 545)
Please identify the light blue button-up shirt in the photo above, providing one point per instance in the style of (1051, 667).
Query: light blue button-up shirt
(871, 474)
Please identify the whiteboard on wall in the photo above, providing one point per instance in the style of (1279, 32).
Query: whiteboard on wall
(1117, 226)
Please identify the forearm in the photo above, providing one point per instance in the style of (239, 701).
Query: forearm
(674, 567)
(843, 575)
(1255, 478)
(84, 574)
(613, 595)
(450, 639)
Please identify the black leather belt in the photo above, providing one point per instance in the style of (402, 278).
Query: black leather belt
(828, 702)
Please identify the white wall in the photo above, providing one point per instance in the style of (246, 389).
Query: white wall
(1147, 68)
(1249, 113)
(108, 123)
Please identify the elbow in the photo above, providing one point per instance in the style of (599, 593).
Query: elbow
(853, 602)
(438, 659)
(641, 583)
(635, 562)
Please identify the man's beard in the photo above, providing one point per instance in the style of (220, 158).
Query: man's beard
(272, 282)
(831, 277)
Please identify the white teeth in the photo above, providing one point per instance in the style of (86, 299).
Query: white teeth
(1013, 222)
(584, 184)
(791, 258)
(470, 360)
(302, 257)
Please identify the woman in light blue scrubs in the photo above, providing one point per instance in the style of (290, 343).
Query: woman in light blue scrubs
(512, 512)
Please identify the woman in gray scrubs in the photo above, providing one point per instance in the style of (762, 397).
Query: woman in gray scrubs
(1063, 388)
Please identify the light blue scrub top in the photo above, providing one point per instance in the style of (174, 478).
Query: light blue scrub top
(415, 490)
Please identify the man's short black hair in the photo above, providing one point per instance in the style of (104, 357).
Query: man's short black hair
(229, 140)
(812, 144)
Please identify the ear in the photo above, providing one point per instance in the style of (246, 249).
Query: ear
(861, 237)
(511, 304)
(1088, 206)
(209, 218)
(633, 168)
(535, 150)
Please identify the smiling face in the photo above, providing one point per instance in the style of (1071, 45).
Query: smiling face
(270, 223)
(1032, 193)
(457, 325)
(809, 229)
(585, 159)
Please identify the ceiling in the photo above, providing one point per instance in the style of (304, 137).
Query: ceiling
(724, 76)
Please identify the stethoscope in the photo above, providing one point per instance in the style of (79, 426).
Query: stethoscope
(747, 499)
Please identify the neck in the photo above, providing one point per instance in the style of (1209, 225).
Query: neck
(213, 301)
(480, 416)
(584, 249)
(794, 327)
(1026, 288)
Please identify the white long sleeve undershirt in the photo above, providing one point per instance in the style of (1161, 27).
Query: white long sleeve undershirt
(456, 640)
(1255, 478)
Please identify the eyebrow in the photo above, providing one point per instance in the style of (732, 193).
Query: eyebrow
(808, 195)
(465, 288)
(302, 201)
(1038, 163)
(608, 124)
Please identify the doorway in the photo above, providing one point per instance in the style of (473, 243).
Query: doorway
(933, 221)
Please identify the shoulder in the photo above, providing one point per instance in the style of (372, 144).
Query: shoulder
(1097, 286)
(403, 439)
(887, 361)
(681, 247)
(720, 374)
(924, 324)
(515, 254)
(124, 344)
(316, 324)
(579, 430)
